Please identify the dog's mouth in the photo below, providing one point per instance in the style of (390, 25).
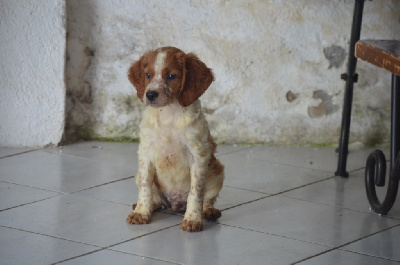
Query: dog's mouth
(155, 104)
(156, 99)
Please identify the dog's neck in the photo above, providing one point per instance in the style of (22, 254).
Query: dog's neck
(173, 115)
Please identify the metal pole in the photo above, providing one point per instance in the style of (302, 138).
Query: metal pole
(395, 121)
(350, 77)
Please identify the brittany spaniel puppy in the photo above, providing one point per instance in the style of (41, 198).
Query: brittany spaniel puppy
(177, 167)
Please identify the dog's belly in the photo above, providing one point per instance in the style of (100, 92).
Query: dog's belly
(175, 200)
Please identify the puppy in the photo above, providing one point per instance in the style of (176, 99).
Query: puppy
(177, 166)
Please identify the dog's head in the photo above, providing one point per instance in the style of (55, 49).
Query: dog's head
(168, 74)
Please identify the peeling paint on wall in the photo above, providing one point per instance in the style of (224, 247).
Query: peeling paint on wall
(325, 107)
(335, 55)
(290, 96)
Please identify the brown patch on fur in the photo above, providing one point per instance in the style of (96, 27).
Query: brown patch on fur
(136, 218)
(216, 167)
(198, 77)
(193, 77)
(213, 144)
(192, 226)
(137, 72)
(167, 162)
(174, 64)
(211, 214)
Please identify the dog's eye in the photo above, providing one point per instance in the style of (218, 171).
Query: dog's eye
(171, 77)
(148, 75)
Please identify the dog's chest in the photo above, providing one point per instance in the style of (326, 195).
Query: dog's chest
(172, 158)
(163, 134)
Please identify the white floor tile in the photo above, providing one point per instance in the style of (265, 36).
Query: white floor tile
(83, 220)
(8, 151)
(280, 205)
(385, 244)
(114, 258)
(219, 244)
(19, 247)
(322, 158)
(229, 149)
(115, 154)
(229, 197)
(310, 222)
(55, 172)
(263, 176)
(348, 193)
(12, 195)
(123, 192)
(346, 258)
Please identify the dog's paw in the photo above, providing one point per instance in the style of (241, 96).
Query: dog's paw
(211, 214)
(137, 218)
(192, 226)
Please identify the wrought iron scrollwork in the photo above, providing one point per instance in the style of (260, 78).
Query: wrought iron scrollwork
(375, 173)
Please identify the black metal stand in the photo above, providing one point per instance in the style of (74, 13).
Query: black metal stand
(375, 171)
(350, 77)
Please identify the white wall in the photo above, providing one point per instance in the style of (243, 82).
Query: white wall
(260, 51)
(32, 87)
(277, 66)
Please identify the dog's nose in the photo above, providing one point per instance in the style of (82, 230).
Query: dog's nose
(151, 95)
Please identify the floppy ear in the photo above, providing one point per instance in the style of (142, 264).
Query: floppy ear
(197, 78)
(136, 76)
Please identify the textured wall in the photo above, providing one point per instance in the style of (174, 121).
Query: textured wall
(277, 66)
(32, 87)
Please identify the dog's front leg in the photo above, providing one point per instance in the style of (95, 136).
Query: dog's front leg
(144, 207)
(193, 222)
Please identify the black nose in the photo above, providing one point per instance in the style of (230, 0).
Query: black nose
(151, 95)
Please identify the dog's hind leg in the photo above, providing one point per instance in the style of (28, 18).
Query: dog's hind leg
(213, 186)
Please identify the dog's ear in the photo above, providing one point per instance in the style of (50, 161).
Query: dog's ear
(197, 78)
(136, 76)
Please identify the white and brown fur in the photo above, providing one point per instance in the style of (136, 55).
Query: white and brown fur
(177, 167)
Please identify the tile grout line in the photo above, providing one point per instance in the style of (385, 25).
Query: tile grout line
(58, 195)
(232, 152)
(236, 188)
(61, 193)
(92, 245)
(344, 208)
(284, 164)
(103, 184)
(368, 255)
(349, 243)
(76, 157)
(147, 257)
(116, 244)
(25, 152)
(278, 193)
(27, 186)
(46, 235)
(271, 234)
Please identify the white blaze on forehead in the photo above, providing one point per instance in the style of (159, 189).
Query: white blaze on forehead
(159, 65)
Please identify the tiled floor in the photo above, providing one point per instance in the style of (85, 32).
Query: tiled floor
(279, 206)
